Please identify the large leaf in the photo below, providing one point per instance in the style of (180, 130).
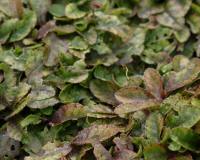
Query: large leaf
(154, 126)
(187, 138)
(132, 94)
(123, 109)
(96, 132)
(24, 26)
(184, 77)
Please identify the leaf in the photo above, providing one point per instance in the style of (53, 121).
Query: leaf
(187, 138)
(123, 148)
(131, 94)
(75, 73)
(73, 12)
(112, 24)
(14, 131)
(54, 48)
(57, 10)
(95, 132)
(123, 109)
(153, 83)
(8, 146)
(153, 127)
(31, 119)
(155, 152)
(175, 11)
(186, 76)
(24, 26)
(42, 97)
(72, 111)
(104, 91)
(45, 29)
(187, 117)
(147, 9)
(134, 46)
(113, 73)
(73, 93)
(78, 43)
(100, 152)
(98, 110)
(6, 29)
(41, 9)
(52, 151)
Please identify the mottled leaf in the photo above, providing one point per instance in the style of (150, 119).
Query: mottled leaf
(95, 132)
(104, 91)
(187, 138)
(153, 83)
(155, 152)
(72, 111)
(24, 26)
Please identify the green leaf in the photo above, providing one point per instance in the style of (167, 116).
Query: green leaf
(52, 151)
(73, 12)
(57, 10)
(6, 29)
(73, 93)
(30, 119)
(155, 152)
(24, 26)
(187, 117)
(104, 91)
(153, 127)
(187, 138)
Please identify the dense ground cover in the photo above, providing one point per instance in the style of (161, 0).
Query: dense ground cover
(99, 79)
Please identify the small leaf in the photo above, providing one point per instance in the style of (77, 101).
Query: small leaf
(100, 152)
(153, 83)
